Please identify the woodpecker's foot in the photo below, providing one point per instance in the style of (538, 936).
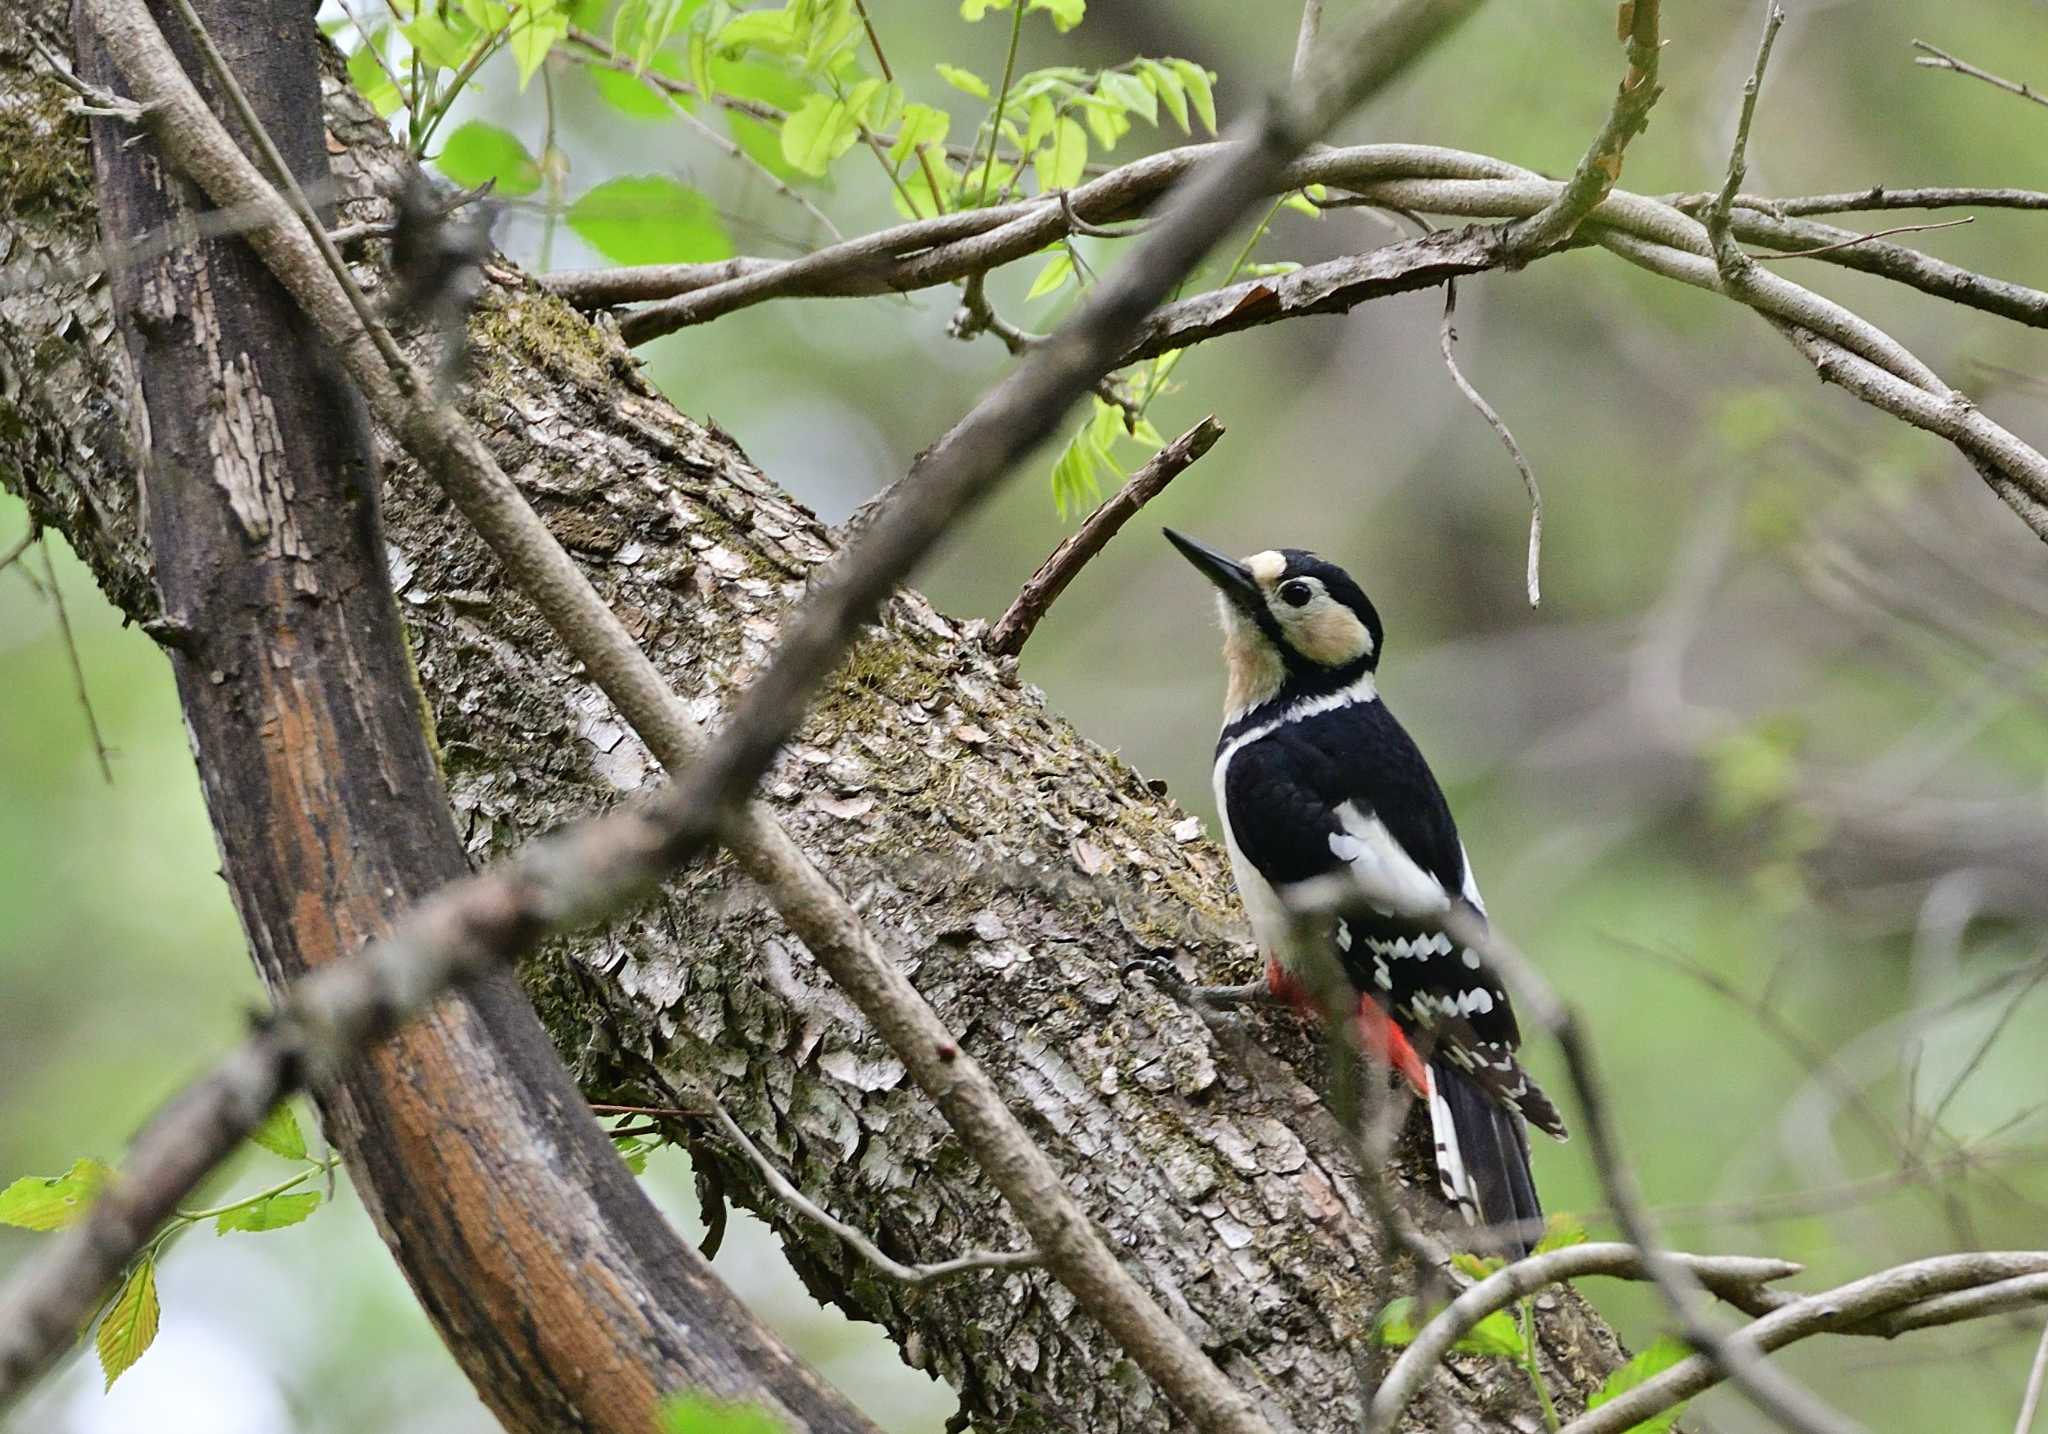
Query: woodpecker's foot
(1161, 971)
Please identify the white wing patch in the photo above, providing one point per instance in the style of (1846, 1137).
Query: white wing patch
(1388, 876)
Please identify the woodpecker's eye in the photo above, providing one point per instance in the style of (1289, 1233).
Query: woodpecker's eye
(1295, 594)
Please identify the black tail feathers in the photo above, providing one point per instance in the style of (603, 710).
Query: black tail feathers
(1482, 1161)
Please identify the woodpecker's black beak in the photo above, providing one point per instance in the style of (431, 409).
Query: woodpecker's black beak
(1233, 577)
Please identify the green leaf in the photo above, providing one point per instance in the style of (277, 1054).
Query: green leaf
(965, 80)
(1303, 200)
(822, 129)
(535, 30)
(1059, 164)
(478, 152)
(443, 44)
(1398, 1323)
(272, 1213)
(37, 1203)
(1143, 432)
(1559, 1232)
(1058, 269)
(367, 75)
(1198, 81)
(921, 124)
(1271, 270)
(1105, 118)
(633, 96)
(130, 1324)
(1477, 1267)
(833, 24)
(1167, 84)
(280, 1133)
(649, 219)
(1667, 1351)
(763, 143)
(919, 188)
(773, 31)
(694, 1413)
(972, 10)
(1496, 1334)
(634, 1151)
(756, 80)
(1132, 93)
(1401, 1321)
(1066, 14)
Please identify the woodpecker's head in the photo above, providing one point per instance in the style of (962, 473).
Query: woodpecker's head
(1291, 623)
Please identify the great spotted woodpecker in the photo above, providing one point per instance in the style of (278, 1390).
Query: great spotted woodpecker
(1316, 780)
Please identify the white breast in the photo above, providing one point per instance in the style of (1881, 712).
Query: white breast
(1271, 927)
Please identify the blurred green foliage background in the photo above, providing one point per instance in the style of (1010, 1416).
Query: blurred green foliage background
(1782, 717)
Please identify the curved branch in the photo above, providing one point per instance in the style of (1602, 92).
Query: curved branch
(1847, 1308)
(1735, 1278)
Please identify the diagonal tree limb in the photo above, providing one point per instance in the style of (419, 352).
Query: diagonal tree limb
(1006, 638)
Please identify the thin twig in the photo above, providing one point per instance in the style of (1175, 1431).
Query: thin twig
(1724, 1275)
(786, 1191)
(1599, 169)
(92, 722)
(923, 147)
(8, 558)
(1446, 337)
(1863, 239)
(1717, 216)
(1937, 59)
(1043, 588)
(2030, 1402)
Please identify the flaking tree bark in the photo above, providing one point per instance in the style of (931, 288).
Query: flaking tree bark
(1011, 865)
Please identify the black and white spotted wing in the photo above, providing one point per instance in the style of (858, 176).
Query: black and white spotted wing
(1348, 789)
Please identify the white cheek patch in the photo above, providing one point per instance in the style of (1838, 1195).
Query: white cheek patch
(1331, 635)
(1387, 876)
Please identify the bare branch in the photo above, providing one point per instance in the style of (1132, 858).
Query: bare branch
(1738, 153)
(1043, 588)
(1857, 239)
(1849, 1308)
(1732, 1277)
(70, 640)
(1877, 198)
(1600, 168)
(1937, 59)
(787, 1192)
(2030, 1403)
(1446, 336)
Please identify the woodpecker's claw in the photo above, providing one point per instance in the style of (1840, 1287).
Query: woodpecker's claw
(1161, 970)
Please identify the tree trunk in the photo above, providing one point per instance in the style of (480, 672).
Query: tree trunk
(495, 1191)
(1010, 864)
